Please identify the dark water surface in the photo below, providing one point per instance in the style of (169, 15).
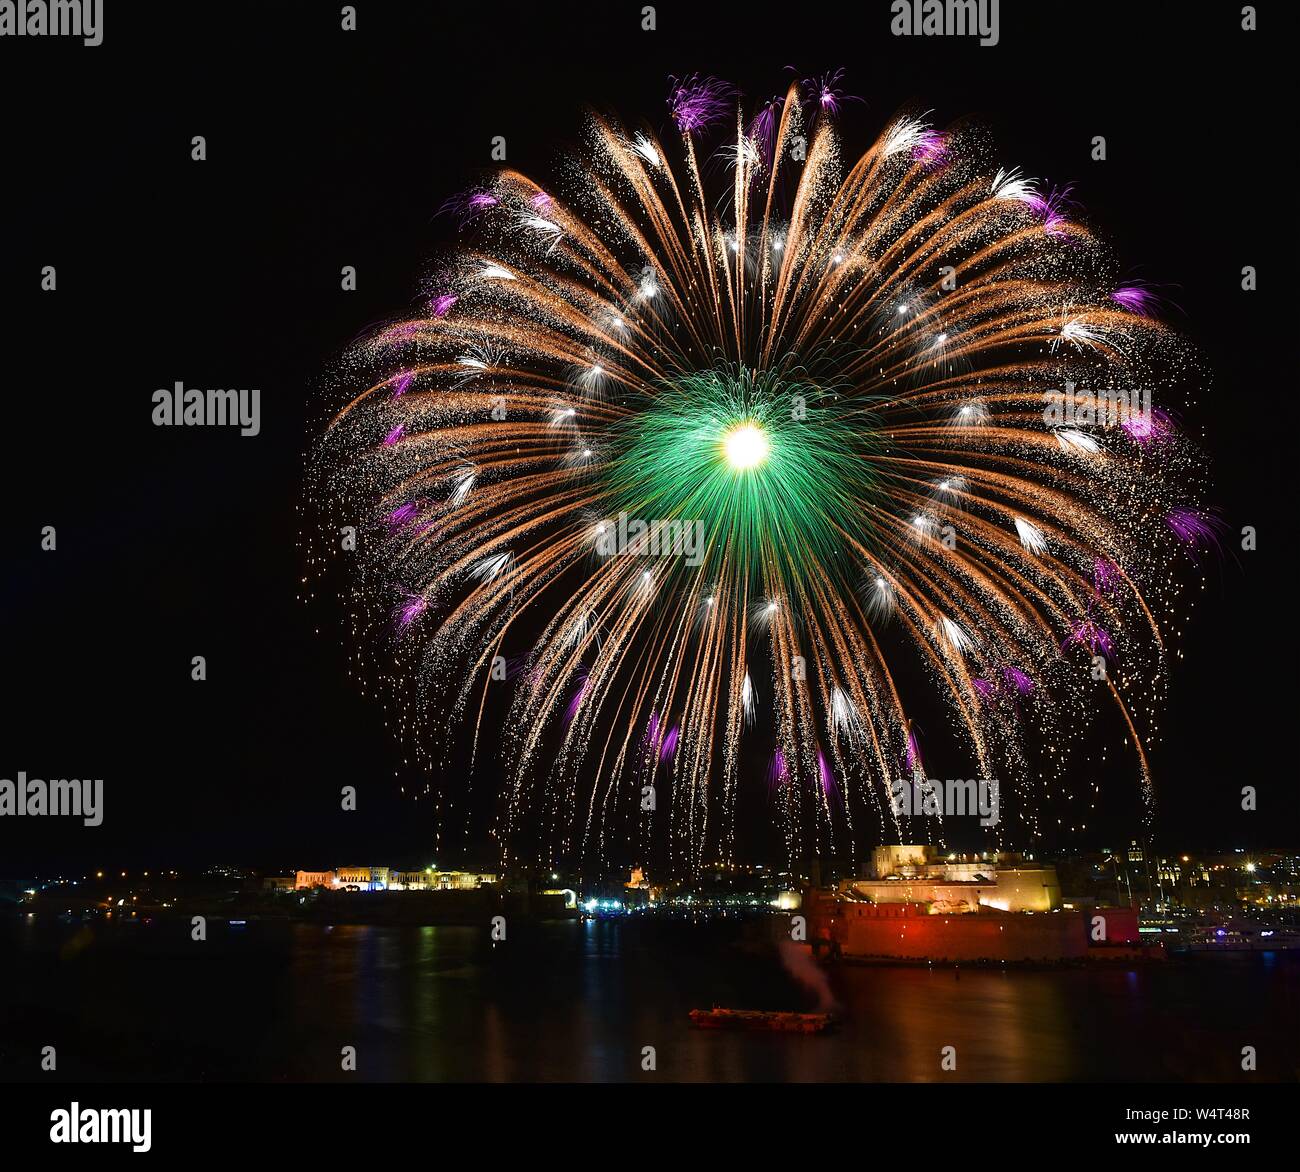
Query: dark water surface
(578, 1002)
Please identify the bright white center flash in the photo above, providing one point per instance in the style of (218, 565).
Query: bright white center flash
(745, 446)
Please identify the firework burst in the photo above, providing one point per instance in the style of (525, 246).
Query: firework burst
(713, 463)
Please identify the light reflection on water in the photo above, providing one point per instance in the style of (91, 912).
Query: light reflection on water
(578, 1002)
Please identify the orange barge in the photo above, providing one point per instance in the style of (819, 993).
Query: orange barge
(759, 1019)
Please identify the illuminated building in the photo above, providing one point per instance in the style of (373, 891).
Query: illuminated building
(957, 885)
(990, 907)
(459, 880)
(364, 878)
(431, 879)
(387, 879)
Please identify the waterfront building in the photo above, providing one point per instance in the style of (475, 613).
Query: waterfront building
(957, 884)
(363, 878)
(385, 879)
(997, 906)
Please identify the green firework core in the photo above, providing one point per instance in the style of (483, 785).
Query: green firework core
(778, 473)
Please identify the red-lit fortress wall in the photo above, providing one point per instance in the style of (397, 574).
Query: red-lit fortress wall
(909, 932)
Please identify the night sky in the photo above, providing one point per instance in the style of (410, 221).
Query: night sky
(328, 148)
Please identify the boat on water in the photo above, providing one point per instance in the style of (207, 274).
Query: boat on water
(1237, 936)
(761, 1019)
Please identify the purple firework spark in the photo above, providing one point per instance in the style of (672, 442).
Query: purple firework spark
(824, 774)
(1195, 529)
(778, 773)
(1148, 427)
(1136, 299)
(410, 609)
(696, 101)
(1018, 680)
(1105, 576)
(931, 149)
(669, 747)
(912, 752)
(762, 127)
(1054, 207)
(825, 91)
(1086, 633)
(441, 305)
(576, 703)
(402, 382)
(403, 515)
(393, 436)
(466, 205)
